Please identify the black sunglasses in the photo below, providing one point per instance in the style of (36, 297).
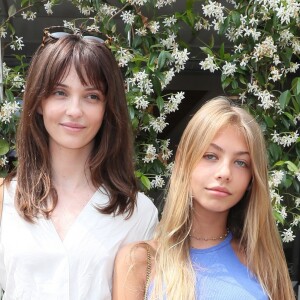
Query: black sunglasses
(57, 32)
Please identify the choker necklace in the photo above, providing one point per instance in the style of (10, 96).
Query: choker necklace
(210, 238)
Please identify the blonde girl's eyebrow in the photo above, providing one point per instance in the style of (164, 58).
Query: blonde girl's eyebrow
(222, 150)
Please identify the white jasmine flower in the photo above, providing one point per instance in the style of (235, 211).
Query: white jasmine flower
(169, 22)
(3, 32)
(8, 109)
(142, 31)
(17, 43)
(3, 161)
(151, 154)
(157, 182)
(209, 64)
(153, 26)
(141, 102)
(48, 7)
(229, 69)
(127, 17)
(161, 3)
(158, 124)
(288, 235)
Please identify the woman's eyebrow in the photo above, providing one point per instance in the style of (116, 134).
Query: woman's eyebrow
(222, 150)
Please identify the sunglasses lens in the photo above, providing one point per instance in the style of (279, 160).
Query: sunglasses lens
(58, 35)
(91, 37)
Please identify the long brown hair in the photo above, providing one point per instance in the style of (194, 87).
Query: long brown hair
(111, 159)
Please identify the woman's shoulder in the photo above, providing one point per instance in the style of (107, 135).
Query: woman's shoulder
(136, 253)
(145, 203)
(133, 265)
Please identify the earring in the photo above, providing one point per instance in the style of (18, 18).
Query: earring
(191, 202)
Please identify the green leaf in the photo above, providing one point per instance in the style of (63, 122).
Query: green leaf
(291, 166)
(236, 18)
(162, 59)
(269, 121)
(160, 103)
(4, 147)
(278, 217)
(131, 112)
(296, 85)
(145, 181)
(156, 85)
(284, 99)
(207, 50)
(221, 51)
(12, 10)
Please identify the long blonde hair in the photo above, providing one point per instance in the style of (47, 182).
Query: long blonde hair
(251, 221)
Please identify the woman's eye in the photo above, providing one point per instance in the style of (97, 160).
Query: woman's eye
(241, 163)
(94, 97)
(59, 93)
(209, 156)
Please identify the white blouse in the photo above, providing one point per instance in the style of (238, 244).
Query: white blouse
(36, 264)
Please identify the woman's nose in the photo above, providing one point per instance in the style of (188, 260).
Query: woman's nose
(224, 172)
(74, 107)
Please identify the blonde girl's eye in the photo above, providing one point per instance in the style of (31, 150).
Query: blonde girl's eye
(210, 156)
(241, 163)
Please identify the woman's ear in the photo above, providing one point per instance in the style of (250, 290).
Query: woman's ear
(249, 187)
(40, 110)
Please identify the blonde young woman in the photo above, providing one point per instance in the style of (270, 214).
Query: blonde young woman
(217, 238)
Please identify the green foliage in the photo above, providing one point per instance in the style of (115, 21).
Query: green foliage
(259, 67)
(257, 61)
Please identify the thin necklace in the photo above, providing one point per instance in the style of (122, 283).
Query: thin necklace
(210, 238)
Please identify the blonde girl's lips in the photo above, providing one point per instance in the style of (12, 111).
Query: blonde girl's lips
(221, 191)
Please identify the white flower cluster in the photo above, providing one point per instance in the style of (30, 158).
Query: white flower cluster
(151, 154)
(142, 81)
(137, 2)
(166, 152)
(8, 109)
(276, 198)
(297, 174)
(107, 10)
(168, 76)
(28, 15)
(123, 57)
(180, 58)
(158, 124)
(229, 68)
(173, 102)
(127, 17)
(267, 100)
(86, 10)
(157, 182)
(162, 3)
(48, 7)
(276, 178)
(288, 235)
(3, 161)
(266, 48)
(141, 102)
(286, 140)
(17, 43)
(296, 220)
(3, 32)
(209, 64)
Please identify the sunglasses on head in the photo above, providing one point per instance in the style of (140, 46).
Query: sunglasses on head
(57, 32)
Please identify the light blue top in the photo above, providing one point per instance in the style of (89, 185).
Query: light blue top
(221, 276)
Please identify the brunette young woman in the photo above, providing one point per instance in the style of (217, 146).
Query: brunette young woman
(217, 238)
(73, 199)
